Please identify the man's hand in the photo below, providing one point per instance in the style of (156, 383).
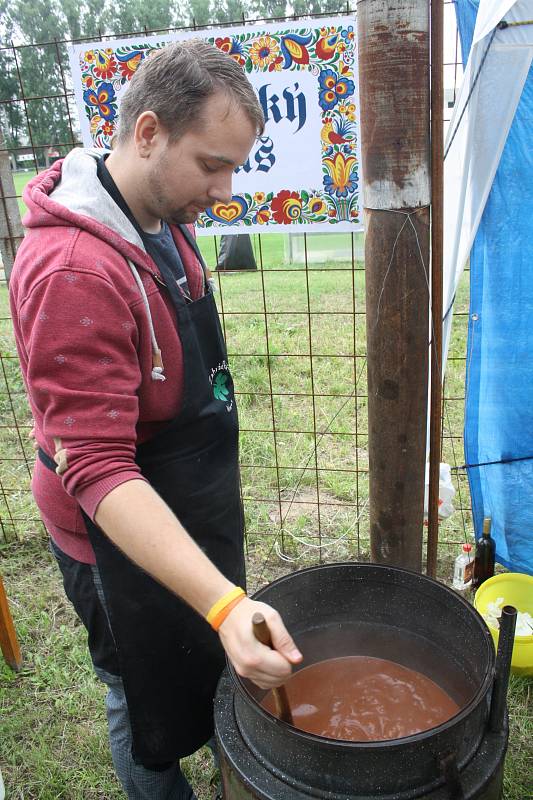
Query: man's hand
(33, 440)
(251, 659)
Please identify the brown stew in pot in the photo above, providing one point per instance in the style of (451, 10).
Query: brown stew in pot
(361, 699)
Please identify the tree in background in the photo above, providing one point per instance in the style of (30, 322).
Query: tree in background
(132, 16)
(40, 21)
(319, 7)
(25, 22)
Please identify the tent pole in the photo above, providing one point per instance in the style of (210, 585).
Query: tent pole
(394, 97)
(437, 168)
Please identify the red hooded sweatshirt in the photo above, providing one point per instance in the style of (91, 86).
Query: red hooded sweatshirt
(90, 317)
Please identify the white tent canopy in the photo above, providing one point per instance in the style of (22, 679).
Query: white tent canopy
(494, 77)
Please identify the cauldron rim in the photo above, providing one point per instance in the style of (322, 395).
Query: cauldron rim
(347, 744)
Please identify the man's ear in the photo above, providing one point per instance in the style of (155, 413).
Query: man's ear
(148, 133)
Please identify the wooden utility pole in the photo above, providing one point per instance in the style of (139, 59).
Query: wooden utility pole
(394, 97)
(437, 245)
(11, 230)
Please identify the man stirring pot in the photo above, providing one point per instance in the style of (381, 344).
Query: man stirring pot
(124, 360)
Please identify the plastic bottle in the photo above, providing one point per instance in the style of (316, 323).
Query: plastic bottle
(463, 568)
(485, 555)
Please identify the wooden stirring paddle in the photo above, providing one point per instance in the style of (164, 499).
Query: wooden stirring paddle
(262, 634)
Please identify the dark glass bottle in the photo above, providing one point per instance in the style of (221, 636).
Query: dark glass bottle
(484, 558)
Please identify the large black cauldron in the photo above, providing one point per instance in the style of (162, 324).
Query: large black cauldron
(385, 612)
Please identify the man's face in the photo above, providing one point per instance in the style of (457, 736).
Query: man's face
(191, 174)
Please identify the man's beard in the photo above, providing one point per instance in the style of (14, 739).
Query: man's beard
(180, 216)
(161, 204)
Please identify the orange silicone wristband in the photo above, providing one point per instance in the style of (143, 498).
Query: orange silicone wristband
(222, 602)
(219, 618)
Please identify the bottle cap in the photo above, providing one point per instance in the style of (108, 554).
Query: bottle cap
(467, 547)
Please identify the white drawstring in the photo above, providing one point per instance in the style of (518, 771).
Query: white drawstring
(157, 362)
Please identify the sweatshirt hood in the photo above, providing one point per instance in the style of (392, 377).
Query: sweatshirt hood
(70, 194)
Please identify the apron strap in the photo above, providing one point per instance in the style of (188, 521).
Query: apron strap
(192, 243)
(46, 460)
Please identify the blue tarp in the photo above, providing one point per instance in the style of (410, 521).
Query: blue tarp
(499, 377)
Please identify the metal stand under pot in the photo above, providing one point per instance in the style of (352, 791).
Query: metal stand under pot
(384, 612)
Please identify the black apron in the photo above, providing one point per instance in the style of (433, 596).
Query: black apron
(170, 659)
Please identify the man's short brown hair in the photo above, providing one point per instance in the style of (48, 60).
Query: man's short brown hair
(175, 82)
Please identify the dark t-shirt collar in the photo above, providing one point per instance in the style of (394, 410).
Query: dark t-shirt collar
(111, 188)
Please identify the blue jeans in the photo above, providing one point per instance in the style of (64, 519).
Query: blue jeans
(83, 588)
(138, 782)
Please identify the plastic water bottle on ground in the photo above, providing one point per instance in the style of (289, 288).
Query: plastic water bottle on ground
(463, 569)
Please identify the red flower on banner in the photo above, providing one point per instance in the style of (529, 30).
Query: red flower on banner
(286, 207)
(276, 65)
(223, 43)
(326, 46)
(232, 47)
(105, 65)
(129, 63)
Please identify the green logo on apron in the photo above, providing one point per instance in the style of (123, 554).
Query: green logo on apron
(219, 378)
(219, 387)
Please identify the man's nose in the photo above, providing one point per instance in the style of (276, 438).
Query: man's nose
(220, 192)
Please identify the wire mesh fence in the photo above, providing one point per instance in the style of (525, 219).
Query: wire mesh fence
(295, 331)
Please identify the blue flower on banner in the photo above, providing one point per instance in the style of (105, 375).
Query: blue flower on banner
(348, 33)
(294, 50)
(333, 89)
(102, 99)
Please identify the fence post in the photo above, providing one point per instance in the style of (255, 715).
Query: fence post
(394, 80)
(11, 230)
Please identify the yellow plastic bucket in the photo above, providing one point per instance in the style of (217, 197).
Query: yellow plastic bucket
(516, 590)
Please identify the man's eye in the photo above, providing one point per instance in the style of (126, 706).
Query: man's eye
(208, 168)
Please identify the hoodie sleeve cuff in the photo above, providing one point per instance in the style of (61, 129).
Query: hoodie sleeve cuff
(91, 497)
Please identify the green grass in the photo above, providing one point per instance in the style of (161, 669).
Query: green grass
(54, 741)
(294, 390)
(20, 179)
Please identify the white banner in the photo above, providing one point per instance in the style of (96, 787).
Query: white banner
(303, 173)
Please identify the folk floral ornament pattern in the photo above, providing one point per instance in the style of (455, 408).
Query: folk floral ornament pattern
(329, 54)
(324, 56)
(103, 101)
(281, 208)
(104, 72)
(232, 47)
(230, 213)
